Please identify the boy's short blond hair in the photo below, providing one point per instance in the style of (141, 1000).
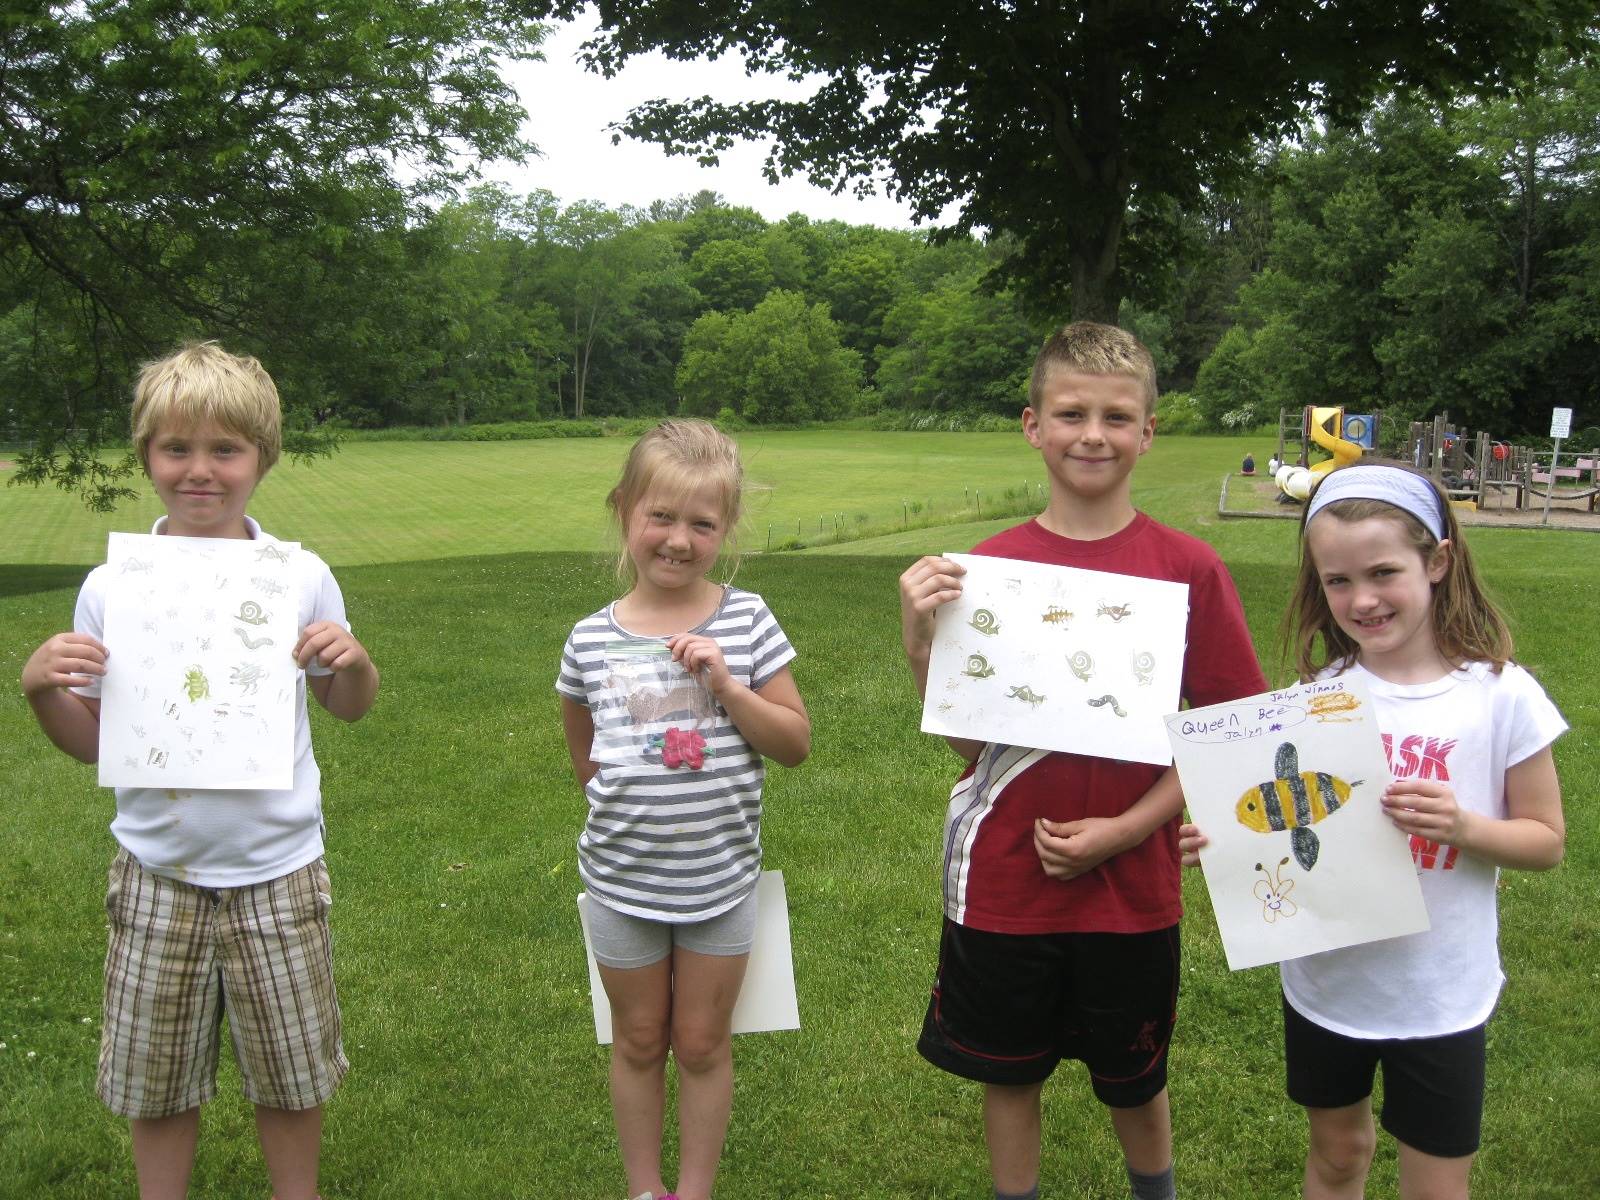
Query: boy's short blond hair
(1090, 348)
(200, 381)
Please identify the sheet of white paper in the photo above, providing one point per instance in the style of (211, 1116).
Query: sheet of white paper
(766, 1001)
(1058, 658)
(200, 686)
(1253, 771)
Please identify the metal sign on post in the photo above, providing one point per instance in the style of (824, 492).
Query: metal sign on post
(1560, 427)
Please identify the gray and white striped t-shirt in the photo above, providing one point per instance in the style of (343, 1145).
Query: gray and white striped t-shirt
(671, 843)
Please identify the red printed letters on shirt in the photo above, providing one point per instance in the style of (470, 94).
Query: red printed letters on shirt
(1423, 758)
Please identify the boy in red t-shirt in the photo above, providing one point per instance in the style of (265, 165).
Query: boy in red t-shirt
(1061, 870)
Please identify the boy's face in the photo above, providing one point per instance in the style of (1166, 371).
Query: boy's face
(1091, 430)
(205, 477)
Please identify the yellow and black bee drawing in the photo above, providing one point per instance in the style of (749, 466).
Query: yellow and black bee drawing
(1294, 800)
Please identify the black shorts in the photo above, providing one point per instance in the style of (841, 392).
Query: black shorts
(1007, 1007)
(1432, 1087)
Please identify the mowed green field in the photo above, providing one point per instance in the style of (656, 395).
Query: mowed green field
(452, 816)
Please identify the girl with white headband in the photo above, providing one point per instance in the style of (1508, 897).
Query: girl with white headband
(1387, 590)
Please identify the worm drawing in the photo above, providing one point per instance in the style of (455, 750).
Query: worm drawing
(251, 643)
(1115, 611)
(978, 667)
(985, 622)
(1144, 666)
(251, 613)
(1111, 700)
(1082, 665)
(1055, 615)
(1026, 694)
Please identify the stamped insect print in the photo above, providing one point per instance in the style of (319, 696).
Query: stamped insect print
(204, 630)
(1018, 656)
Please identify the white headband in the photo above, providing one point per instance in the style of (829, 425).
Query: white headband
(1406, 491)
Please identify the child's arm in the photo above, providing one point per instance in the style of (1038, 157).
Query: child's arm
(772, 719)
(578, 725)
(349, 692)
(1532, 837)
(925, 585)
(71, 721)
(1067, 849)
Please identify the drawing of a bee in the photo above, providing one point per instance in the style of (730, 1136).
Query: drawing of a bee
(1294, 800)
(1056, 615)
(985, 622)
(195, 685)
(1273, 892)
(1082, 665)
(1115, 611)
(978, 667)
(1026, 694)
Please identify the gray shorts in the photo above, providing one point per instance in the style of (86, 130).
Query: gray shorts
(624, 942)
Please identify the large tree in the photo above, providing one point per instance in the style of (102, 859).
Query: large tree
(1078, 127)
(160, 159)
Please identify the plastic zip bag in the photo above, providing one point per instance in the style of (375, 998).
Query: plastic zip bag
(651, 710)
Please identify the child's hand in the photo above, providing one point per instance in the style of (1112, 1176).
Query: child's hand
(1190, 839)
(1426, 808)
(332, 645)
(925, 585)
(66, 660)
(702, 658)
(1067, 849)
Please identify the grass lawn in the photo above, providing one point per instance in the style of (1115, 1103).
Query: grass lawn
(475, 1072)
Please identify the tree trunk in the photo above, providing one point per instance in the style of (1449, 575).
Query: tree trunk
(1096, 290)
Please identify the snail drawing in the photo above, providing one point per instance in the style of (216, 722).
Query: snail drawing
(1082, 665)
(251, 613)
(978, 667)
(1144, 665)
(985, 622)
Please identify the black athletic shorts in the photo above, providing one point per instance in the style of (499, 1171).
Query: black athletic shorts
(1432, 1087)
(1007, 1007)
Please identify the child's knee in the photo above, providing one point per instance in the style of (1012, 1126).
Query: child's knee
(1342, 1151)
(640, 1041)
(697, 1047)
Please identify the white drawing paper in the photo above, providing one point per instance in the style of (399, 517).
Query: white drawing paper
(1058, 658)
(1300, 857)
(200, 685)
(767, 1000)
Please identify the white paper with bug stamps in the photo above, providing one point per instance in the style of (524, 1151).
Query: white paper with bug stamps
(1058, 658)
(200, 685)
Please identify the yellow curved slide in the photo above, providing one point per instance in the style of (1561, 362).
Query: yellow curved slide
(1325, 424)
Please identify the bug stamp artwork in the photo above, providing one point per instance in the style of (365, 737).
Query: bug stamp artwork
(1058, 658)
(200, 685)
(1300, 857)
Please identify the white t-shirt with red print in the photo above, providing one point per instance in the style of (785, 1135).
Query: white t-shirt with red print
(1467, 729)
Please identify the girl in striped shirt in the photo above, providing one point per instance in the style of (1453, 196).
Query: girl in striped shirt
(671, 697)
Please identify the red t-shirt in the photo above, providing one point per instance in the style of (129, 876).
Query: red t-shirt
(992, 876)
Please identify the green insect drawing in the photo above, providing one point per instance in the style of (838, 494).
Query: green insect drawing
(195, 685)
(1082, 665)
(1115, 611)
(1026, 694)
(978, 667)
(985, 622)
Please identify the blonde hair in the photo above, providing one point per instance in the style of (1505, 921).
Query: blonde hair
(200, 381)
(1093, 349)
(1467, 627)
(673, 461)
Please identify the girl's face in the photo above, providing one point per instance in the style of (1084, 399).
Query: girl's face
(673, 544)
(1379, 589)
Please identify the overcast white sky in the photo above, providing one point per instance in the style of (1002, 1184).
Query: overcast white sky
(569, 109)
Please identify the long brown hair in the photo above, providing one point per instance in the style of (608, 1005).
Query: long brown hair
(1467, 626)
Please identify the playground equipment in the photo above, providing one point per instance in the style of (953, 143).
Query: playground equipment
(1326, 427)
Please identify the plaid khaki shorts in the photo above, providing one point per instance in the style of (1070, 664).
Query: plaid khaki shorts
(180, 957)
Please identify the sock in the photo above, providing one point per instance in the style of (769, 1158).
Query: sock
(1031, 1194)
(1152, 1187)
